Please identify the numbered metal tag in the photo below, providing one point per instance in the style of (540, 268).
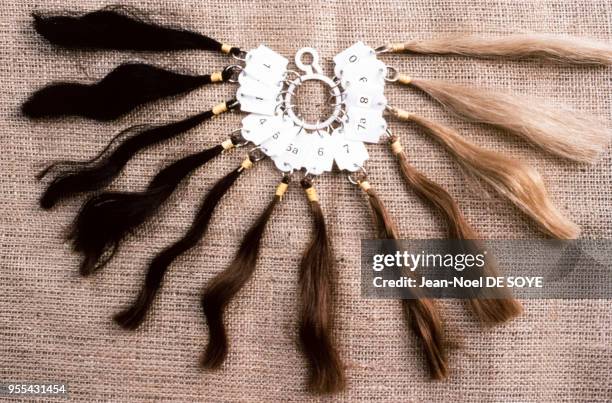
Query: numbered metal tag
(318, 153)
(293, 156)
(256, 104)
(276, 144)
(258, 90)
(370, 72)
(258, 128)
(275, 82)
(349, 155)
(247, 81)
(364, 125)
(356, 54)
(366, 97)
(265, 65)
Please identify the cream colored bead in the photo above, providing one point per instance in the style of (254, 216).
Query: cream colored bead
(219, 108)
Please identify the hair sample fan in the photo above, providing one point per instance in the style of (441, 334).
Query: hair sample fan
(266, 89)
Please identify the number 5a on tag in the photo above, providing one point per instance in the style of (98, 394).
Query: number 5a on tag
(292, 158)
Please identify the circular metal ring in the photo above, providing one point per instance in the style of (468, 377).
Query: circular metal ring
(237, 134)
(281, 93)
(335, 93)
(240, 56)
(392, 74)
(287, 109)
(351, 180)
(256, 154)
(340, 122)
(296, 73)
(337, 81)
(278, 105)
(361, 170)
(310, 177)
(236, 69)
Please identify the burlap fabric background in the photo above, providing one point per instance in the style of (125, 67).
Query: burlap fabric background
(55, 326)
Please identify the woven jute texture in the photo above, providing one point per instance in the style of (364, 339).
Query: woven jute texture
(56, 326)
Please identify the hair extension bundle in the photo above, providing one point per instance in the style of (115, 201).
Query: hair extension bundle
(105, 219)
(562, 49)
(316, 312)
(123, 89)
(519, 183)
(224, 286)
(74, 177)
(114, 29)
(487, 309)
(421, 313)
(133, 316)
(563, 132)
